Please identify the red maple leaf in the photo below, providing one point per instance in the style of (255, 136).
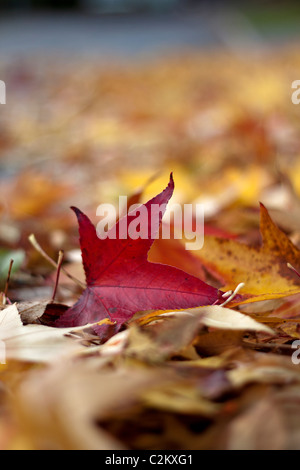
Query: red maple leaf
(121, 281)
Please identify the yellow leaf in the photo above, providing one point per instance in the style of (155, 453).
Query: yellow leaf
(263, 269)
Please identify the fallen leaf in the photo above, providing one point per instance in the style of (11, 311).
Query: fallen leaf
(34, 343)
(272, 423)
(181, 399)
(163, 339)
(263, 270)
(120, 280)
(216, 316)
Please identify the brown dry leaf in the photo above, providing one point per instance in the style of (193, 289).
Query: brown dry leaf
(291, 329)
(182, 398)
(60, 406)
(214, 343)
(264, 368)
(171, 333)
(270, 424)
(31, 311)
(162, 339)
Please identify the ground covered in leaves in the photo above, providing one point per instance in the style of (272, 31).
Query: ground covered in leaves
(216, 375)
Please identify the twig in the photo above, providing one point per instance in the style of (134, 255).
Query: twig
(4, 293)
(59, 263)
(8, 277)
(40, 250)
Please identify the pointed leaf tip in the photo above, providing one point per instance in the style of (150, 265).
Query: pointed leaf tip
(77, 212)
(75, 209)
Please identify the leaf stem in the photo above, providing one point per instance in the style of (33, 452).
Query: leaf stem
(3, 297)
(59, 265)
(293, 269)
(232, 294)
(40, 250)
(8, 277)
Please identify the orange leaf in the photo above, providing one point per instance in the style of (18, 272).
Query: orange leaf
(263, 269)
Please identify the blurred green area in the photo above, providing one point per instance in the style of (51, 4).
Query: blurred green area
(272, 14)
(18, 257)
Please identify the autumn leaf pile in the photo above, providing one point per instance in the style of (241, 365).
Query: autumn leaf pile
(142, 344)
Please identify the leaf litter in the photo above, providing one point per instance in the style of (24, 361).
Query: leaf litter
(145, 345)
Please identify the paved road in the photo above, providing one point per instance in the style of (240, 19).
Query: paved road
(75, 34)
(128, 35)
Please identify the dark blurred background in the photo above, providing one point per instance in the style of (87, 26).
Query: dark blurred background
(123, 6)
(101, 5)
